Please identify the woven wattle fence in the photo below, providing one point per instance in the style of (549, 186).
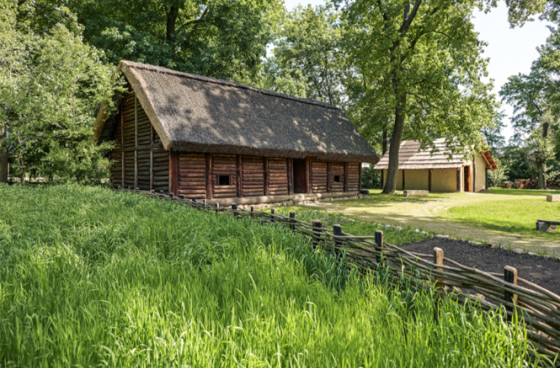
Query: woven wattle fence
(538, 307)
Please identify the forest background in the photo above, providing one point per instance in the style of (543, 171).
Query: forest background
(399, 70)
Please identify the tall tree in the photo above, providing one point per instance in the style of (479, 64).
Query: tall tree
(533, 119)
(308, 48)
(422, 66)
(51, 85)
(218, 38)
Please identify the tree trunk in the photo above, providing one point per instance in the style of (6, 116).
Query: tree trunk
(391, 183)
(171, 21)
(3, 157)
(22, 167)
(385, 138)
(542, 176)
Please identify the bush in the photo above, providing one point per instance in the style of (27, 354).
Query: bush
(371, 178)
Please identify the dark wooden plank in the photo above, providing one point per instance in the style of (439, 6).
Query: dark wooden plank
(173, 172)
(239, 176)
(265, 168)
(328, 177)
(208, 176)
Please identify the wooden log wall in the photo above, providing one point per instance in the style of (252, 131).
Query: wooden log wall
(192, 175)
(353, 176)
(319, 177)
(253, 176)
(277, 176)
(337, 170)
(146, 163)
(224, 165)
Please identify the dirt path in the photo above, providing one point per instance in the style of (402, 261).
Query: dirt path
(431, 216)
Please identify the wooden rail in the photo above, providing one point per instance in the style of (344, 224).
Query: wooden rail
(538, 308)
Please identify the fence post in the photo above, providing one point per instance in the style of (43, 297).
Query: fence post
(217, 205)
(338, 243)
(317, 225)
(510, 275)
(379, 240)
(171, 195)
(272, 214)
(438, 260)
(181, 196)
(193, 199)
(204, 204)
(292, 220)
(252, 212)
(137, 189)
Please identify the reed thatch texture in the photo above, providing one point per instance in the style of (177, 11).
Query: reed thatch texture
(411, 156)
(200, 114)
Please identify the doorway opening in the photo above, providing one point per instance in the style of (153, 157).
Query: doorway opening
(300, 178)
(466, 179)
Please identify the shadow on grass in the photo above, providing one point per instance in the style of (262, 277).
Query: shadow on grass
(521, 192)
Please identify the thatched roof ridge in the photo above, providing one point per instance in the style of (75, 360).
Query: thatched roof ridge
(412, 157)
(196, 113)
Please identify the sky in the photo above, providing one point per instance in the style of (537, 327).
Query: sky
(511, 51)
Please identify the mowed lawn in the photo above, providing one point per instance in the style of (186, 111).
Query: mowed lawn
(506, 216)
(90, 277)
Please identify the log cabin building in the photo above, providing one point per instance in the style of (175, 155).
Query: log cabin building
(213, 139)
(441, 171)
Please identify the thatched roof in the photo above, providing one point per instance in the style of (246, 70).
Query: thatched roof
(195, 113)
(412, 157)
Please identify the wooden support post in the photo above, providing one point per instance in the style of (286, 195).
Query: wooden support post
(265, 176)
(429, 180)
(193, 199)
(474, 173)
(328, 177)
(209, 176)
(458, 180)
(379, 240)
(338, 243)
(290, 176)
(174, 172)
(317, 225)
(239, 176)
(510, 275)
(252, 212)
(272, 214)
(123, 163)
(438, 260)
(181, 196)
(151, 157)
(360, 175)
(135, 141)
(204, 204)
(292, 220)
(346, 176)
(308, 175)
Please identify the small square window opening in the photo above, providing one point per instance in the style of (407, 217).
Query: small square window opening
(224, 179)
(337, 178)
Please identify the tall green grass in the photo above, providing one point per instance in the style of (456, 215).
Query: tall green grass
(89, 277)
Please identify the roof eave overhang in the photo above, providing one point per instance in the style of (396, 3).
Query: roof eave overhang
(256, 151)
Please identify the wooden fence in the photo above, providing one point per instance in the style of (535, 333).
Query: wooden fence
(538, 307)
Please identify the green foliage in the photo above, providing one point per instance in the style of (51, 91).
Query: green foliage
(307, 50)
(532, 97)
(89, 277)
(223, 38)
(50, 86)
(371, 178)
(496, 177)
(422, 68)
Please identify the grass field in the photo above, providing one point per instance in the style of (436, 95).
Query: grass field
(89, 277)
(504, 216)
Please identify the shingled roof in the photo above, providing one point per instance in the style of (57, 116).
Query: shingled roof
(412, 157)
(195, 113)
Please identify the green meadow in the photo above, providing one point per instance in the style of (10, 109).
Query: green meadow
(91, 277)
